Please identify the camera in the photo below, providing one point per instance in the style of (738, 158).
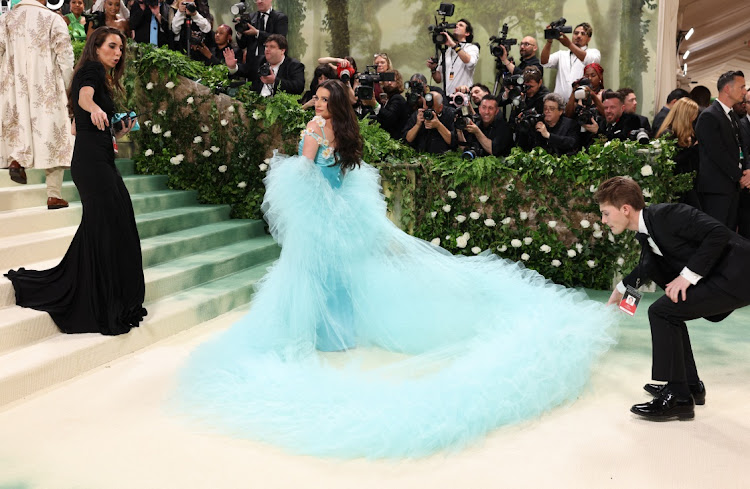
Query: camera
(516, 87)
(640, 135)
(345, 74)
(429, 112)
(584, 113)
(445, 10)
(580, 92)
(557, 28)
(264, 69)
(471, 152)
(241, 18)
(415, 94)
(231, 90)
(197, 38)
(368, 79)
(528, 120)
(190, 7)
(463, 117)
(458, 99)
(501, 40)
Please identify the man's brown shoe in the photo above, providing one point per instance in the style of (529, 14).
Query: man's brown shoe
(55, 203)
(17, 173)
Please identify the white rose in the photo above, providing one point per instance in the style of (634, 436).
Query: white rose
(242, 185)
(579, 247)
(585, 224)
(597, 227)
(525, 257)
(621, 261)
(175, 160)
(476, 250)
(147, 123)
(256, 115)
(433, 213)
(461, 242)
(197, 139)
(552, 224)
(502, 249)
(592, 188)
(523, 216)
(435, 242)
(490, 223)
(591, 263)
(206, 153)
(447, 208)
(452, 194)
(448, 238)
(483, 198)
(156, 129)
(516, 243)
(263, 167)
(167, 134)
(647, 171)
(556, 263)
(162, 112)
(527, 240)
(545, 248)
(267, 161)
(149, 86)
(230, 108)
(460, 218)
(656, 143)
(148, 152)
(224, 122)
(222, 168)
(572, 253)
(180, 157)
(598, 234)
(204, 128)
(507, 220)
(170, 85)
(466, 236)
(474, 215)
(190, 100)
(611, 237)
(214, 149)
(607, 143)
(509, 187)
(647, 193)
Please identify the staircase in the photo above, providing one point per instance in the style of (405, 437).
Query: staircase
(197, 263)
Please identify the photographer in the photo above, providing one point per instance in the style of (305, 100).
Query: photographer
(429, 128)
(460, 58)
(619, 125)
(198, 24)
(587, 91)
(476, 93)
(556, 134)
(111, 16)
(150, 20)
(276, 71)
(569, 63)
(533, 94)
(394, 113)
(527, 49)
(254, 29)
(493, 134)
(211, 52)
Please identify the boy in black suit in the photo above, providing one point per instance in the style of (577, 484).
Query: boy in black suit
(703, 268)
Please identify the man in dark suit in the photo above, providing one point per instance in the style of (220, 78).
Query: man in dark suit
(151, 23)
(720, 170)
(284, 73)
(743, 224)
(263, 23)
(672, 98)
(630, 106)
(619, 125)
(703, 268)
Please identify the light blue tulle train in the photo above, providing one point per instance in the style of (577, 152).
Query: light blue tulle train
(467, 344)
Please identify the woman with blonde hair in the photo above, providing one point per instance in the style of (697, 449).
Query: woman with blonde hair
(680, 124)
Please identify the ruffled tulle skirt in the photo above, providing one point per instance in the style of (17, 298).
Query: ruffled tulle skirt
(436, 350)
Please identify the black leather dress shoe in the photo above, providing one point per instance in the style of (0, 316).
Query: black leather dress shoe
(697, 390)
(666, 407)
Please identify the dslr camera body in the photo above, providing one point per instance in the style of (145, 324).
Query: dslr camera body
(528, 120)
(414, 94)
(501, 40)
(458, 99)
(580, 92)
(368, 79)
(429, 112)
(264, 69)
(190, 7)
(445, 10)
(463, 117)
(557, 28)
(241, 17)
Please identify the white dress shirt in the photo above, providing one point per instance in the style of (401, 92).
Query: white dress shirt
(570, 68)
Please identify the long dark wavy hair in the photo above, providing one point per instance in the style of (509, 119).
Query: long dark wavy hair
(345, 125)
(95, 41)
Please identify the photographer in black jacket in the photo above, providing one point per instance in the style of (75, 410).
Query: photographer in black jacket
(491, 136)
(430, 128)
(394, 113)
(557, 134)
(150, 21)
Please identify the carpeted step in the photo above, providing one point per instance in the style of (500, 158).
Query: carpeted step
(35, 176)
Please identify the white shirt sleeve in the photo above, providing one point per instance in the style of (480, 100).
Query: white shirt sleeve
(621, 287)
(473, 51)
(177, 21)
(203, 24)
(690, 275)
(592, 56)
(554, 60)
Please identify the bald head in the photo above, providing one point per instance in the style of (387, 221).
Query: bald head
(527, 47)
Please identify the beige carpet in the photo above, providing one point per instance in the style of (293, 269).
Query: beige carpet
(108, 430)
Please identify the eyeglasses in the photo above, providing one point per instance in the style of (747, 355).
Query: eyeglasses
(526, 44)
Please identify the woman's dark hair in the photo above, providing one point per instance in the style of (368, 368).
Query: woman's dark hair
(702, 96)
(94, 42)
(345, 124)
(322, 70)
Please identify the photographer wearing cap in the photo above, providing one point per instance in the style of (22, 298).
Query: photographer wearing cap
(150, 20)
(429, 128)
(460, 58)
(570, 62)
(492, 133)
(198, 25)
(276, 70)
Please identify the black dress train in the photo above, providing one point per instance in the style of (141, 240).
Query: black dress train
(98, 287)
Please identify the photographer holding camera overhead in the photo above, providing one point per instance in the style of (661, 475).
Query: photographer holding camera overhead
(276, 71)
(254, 28)
(569, 63)
(429, 128)
(485, 134)
(189, 26)
(456, 51)
(150, 20)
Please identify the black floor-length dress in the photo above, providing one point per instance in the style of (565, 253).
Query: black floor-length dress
(98, 286)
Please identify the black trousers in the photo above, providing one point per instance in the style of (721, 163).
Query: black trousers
(672, 354)
(743, 227)
(722, 207)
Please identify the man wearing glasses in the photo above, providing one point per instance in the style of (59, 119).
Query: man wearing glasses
(527, 48)
(570, 62)
(460, 58)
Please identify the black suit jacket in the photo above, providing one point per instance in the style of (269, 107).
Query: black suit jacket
(745, 133)
(393, 115)
(719, 154)
(277, 23)
(690, 238)
(659, 119)
(140, 23)
(290, 77)
(622, 128)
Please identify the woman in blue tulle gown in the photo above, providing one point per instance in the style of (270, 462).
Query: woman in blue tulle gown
(425, 351)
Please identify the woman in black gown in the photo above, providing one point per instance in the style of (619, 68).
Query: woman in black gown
(98, 286)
